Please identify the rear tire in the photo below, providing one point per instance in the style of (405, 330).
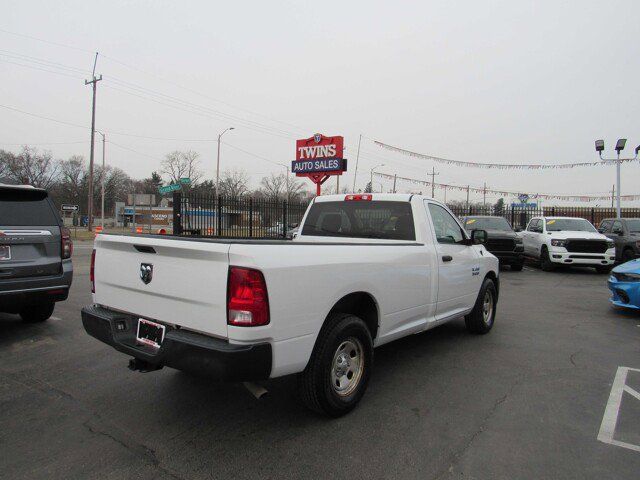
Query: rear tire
(338, 371)
(483, 315)
(627, 255)
(38, 312)
(545, 262)
(517, 267)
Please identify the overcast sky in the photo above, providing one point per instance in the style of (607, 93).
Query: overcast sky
(501, 81)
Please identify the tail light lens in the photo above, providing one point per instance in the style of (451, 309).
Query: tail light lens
(247, 299)
(66, 245)
(92, 271)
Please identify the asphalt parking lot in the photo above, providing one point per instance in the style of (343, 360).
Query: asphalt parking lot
(526, 401)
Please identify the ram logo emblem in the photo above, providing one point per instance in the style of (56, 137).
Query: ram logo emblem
(146, 273)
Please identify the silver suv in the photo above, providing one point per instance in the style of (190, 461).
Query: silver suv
(35, 254)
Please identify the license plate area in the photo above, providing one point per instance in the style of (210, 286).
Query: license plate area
(150, 333)
(5, 252)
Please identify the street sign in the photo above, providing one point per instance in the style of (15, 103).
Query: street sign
(169, 188)
(185, 181)
(67, 207)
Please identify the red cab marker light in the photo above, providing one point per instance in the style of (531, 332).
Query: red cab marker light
(359, 197)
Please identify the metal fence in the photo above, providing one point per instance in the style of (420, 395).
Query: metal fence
(247, 217)
(243, 217)
(520, 216)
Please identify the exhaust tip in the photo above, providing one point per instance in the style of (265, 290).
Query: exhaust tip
(258, 391)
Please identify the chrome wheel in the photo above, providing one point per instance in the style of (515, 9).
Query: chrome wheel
(347, 366)
(487, 307)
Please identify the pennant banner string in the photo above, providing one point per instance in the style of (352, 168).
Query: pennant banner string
(505, 193)
(500, 166)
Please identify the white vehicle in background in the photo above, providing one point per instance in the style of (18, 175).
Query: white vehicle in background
(364, 270)
(570, 241)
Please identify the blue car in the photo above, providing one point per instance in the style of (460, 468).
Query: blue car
(624, 283)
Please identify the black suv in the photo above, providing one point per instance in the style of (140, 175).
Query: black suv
(502, 241)
(625, 232)
(35, 254)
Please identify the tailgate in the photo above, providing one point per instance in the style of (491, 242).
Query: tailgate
(188, 285)
(30, 252)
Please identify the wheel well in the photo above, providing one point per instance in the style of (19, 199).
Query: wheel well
(492, 275)
(362, 305)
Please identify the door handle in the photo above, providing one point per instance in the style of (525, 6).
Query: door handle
(447, 258)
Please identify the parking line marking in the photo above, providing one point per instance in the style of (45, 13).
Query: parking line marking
(610, 418)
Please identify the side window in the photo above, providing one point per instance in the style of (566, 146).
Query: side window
(617, 228)
(446, 227)
(533, 225)
(605, 226)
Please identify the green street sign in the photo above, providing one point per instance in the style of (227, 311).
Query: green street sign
(185, 181)
(169, 188)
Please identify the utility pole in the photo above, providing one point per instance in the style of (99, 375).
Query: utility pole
(467, 197)
(93, 83)
(395, 177)
(445, 193)
(355, 173)
(613, 194)
(484, 195)
(433, 179)
(620, 144)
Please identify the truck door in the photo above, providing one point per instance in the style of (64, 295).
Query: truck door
(529, 237)
(458, 266)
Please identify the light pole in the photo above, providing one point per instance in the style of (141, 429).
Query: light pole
(218, 161)
(620, 144)
(102, 182)
(371, 180)
(286, 167)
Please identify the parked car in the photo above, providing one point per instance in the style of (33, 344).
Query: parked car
(364, 270)
(625, 232)
(556, 241)
(502, 241)
(35, 254)
(624, 284)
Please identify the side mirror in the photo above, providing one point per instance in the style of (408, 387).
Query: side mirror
(517, 229)
(478, 237)
(601, 230)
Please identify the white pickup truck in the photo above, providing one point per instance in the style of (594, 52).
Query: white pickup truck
(363, 271)
(556, 241)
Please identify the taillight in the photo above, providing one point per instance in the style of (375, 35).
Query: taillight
(66, 245)
(247, 300)
(359, 197)
(92, 271)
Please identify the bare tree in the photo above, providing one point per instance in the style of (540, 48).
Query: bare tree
(5, 159)
(273, 186)
(279, 187)
(234, 183)
(177, 165)
(32, 168)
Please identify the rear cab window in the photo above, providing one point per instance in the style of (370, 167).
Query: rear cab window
(386, 220)
(22, 207)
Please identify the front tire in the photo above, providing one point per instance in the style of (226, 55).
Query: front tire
(603, 268)
(483, 315)
(627, 255)
(37, 313)
(545, 261)
(338, 371)
(517, 267)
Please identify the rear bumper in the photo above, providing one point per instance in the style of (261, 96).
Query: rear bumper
(16, 292)
(181, 349)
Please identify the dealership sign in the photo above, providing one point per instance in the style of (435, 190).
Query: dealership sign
(318, 158)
